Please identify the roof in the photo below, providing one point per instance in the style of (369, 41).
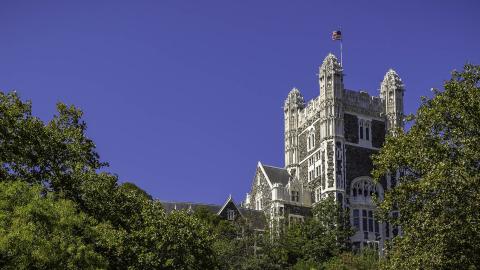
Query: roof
(171, 206)
(277, 175)
(254, 217)
(229, 200)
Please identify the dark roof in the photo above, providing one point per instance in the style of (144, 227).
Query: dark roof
(254, 217)
(277, 175)
(170, 206)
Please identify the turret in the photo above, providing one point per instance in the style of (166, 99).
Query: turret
(330, 78)
(391, 93)
(292, 108)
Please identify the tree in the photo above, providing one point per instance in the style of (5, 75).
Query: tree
(39, 232)
(309, 244)
(438, 186)
(366, 260)
(111, 225)
(328, 232)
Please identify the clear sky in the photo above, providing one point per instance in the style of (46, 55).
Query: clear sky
(184, 97)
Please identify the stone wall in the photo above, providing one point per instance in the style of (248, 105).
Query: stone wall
(304, 171)
(358, 162)
(350, 128)
(317, 134)
(378, 133)
(330, 164)
(302, 146)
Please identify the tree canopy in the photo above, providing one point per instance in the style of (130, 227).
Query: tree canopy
(438, 185)
(57, 211)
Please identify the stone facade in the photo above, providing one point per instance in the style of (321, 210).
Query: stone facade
(329, 142)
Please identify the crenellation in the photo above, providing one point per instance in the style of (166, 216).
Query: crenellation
(362, 103)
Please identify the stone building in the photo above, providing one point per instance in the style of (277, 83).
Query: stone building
(328, 146)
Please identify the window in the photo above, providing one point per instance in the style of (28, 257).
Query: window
(370, 221)
(311, 139)
(258, 204)
(364, 129)
(231, 214)
(356, 219)
(367, 130)
(295, 197)
(317, 194)
(311, 164)
(364, 220)
(317, 164)
(361, 129)
(366, 188)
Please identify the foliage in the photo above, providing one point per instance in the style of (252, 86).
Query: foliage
(72, 216)
(366, 260)
(309, 244)
(438, 189)
(39, 232)
(328, 233)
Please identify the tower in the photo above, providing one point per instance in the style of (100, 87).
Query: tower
(292, 108)
(331, 117)
(391, 93)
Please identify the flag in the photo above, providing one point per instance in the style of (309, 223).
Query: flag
(337, 35)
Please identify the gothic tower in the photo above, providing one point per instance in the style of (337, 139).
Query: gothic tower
(292, 108)
(331, 117)
(391, 93)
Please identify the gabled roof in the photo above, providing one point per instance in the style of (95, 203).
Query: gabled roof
(229, 201)
(255, 217)
(276, 175)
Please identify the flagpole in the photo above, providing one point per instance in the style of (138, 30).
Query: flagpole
(341, 52)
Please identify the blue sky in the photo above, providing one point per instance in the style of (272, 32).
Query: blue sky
(184, 97)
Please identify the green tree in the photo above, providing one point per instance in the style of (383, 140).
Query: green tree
(309, 244)
(366, 260)
(328, 232)
(39, 232)
(438, 191)
(129, 229)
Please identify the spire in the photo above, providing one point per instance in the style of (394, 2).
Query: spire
(391, 80)
(295, 98)
(391, 92)
(330, 63)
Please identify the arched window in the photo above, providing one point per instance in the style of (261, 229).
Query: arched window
(365, 187)
(362, 189)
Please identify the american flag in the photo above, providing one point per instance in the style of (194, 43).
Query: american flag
(337, 35)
